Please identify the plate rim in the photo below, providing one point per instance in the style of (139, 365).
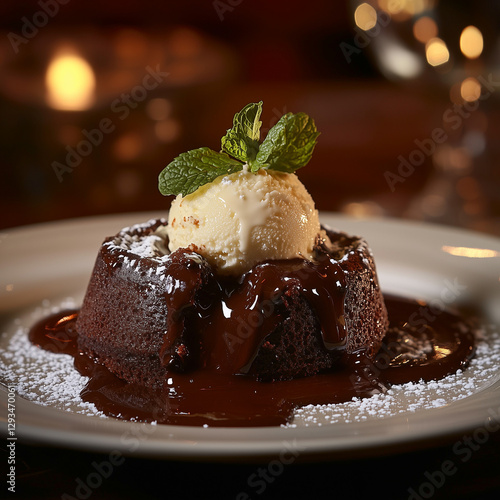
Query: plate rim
(200, 447)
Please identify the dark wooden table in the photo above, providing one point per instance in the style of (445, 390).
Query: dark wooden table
(436, 471)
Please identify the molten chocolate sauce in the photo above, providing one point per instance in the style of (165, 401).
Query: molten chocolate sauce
(425, 349)
(246, 313)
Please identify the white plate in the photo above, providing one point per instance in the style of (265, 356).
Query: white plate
(41, 265)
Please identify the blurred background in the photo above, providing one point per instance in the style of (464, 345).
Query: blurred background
(96, 98)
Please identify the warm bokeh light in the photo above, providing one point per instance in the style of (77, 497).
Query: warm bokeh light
(473, 253)
(398, 60)
(436, 52)
(70, 83)
(158, 108)
(433, 205)
(128, 147)
(452, 159)
(365, 17)
(167, 130)
(415, 7)
(396, 8)
(405, 9)
(425, 29)
(475, 140)
(470, 89)
(471, 42)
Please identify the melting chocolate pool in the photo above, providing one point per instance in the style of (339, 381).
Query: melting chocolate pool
(428, 347)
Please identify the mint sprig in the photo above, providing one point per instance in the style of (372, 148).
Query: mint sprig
(242, 141)
(287, 147)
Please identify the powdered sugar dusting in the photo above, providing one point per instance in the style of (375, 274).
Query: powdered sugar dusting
(50, 379)
(142, 245)
(40, 376)
(413, 396)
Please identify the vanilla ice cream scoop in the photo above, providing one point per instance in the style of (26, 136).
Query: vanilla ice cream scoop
(244, 218)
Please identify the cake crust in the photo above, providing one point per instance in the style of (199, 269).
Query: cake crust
(147, 313)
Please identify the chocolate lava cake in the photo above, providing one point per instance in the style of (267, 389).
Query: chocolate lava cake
(148, 312)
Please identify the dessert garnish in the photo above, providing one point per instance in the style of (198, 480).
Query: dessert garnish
(287, 147)
(242, 307)
(239, 211)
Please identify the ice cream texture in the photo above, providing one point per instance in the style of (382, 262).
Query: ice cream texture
(244, 218)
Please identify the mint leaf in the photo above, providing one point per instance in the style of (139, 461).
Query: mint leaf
(190, 170)
(242, 141)
(289, 144)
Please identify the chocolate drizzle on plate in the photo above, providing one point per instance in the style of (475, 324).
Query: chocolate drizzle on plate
(424, 351)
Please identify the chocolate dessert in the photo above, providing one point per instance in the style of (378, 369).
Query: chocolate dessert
(146, 314)
(241, 306)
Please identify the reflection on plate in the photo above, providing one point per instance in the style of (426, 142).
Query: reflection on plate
(436, 264)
